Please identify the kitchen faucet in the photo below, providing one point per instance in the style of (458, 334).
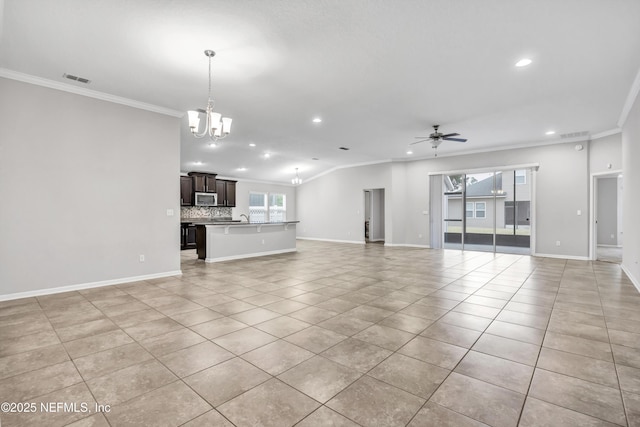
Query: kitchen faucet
(243, 215)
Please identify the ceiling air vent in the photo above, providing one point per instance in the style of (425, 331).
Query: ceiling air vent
(344, 148)
(574, 134)
(76, 78)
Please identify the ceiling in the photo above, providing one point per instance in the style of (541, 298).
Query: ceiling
(378, 72)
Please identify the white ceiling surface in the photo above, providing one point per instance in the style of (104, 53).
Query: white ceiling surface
(377, 72)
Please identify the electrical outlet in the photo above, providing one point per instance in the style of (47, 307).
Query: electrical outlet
(141, 258)
(613, 236)
(579, 212)
(169, 212)
(557, 242)
(263, 241)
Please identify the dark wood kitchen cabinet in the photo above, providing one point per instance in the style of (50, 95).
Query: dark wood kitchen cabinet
(203, 182)
(188, 236)
(226, 192)
(186, 191)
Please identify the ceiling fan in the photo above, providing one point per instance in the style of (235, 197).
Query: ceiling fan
(436, 138)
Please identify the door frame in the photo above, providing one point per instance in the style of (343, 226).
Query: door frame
(593, 204)
(382, 221)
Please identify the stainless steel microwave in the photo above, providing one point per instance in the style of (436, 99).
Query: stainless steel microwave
(206, 199)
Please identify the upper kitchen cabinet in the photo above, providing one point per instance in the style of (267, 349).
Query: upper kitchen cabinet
(186, 191)
(203, 182)
(226, 192)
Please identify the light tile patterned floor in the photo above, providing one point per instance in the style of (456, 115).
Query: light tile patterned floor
(335, 334)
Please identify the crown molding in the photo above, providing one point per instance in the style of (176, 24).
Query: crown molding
(353, 165)
(631, 99)
(39, 81)
(605, 133)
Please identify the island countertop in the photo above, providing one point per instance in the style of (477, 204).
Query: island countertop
(207, 221)
(223, 241)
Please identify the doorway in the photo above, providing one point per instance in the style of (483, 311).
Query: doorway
(374, 215)
(487, 211)
(606, 218)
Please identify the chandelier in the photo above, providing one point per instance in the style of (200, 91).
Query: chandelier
(216, 126)
(296, 180)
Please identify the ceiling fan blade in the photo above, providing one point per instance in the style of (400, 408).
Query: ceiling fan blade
(450, 134)
(418, 142)
(422, 137)
(455, 139)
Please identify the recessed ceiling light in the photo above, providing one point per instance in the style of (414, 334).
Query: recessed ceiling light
(198, 163)
(212, 144)
(409, 152)
(315, 158)
(252, 145)
(551, 132)
(267, 155)
(242, 169)
(317, 120)
(523, 62)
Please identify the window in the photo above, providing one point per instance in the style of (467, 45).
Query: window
(265, 207)
(277, 207)
(258, 207)
(469, 209)
(521, 177)
(476, 210)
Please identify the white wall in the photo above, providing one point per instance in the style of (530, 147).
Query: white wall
(84, 189)
(604, 152)
(243, 188)
(329, 205)
(631, 201)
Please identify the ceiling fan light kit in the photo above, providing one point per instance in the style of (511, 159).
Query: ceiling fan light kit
(216, 126)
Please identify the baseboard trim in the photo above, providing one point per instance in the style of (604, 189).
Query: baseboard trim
(407, 245)
(61, 289)
(358, 242)
(251, 255)
(633, 279)
(571, 257)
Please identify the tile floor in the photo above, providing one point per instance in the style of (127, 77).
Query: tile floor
(335, 334)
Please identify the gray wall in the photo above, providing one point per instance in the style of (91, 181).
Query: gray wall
(607, 211)
(604, 152)
(631, 201)
(330, 205)
(84, 189)
(243, 188)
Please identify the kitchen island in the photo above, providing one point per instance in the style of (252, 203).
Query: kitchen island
(224, 241)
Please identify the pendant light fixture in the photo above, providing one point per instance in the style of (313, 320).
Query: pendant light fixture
(296, 180)
(216, 126)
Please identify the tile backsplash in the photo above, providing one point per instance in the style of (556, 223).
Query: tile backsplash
(205, 212)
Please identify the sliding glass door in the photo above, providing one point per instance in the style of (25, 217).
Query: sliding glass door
(488, 211)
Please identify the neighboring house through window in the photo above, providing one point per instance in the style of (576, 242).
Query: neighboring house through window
(265, 207)
(476, 210)
(521, 177)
